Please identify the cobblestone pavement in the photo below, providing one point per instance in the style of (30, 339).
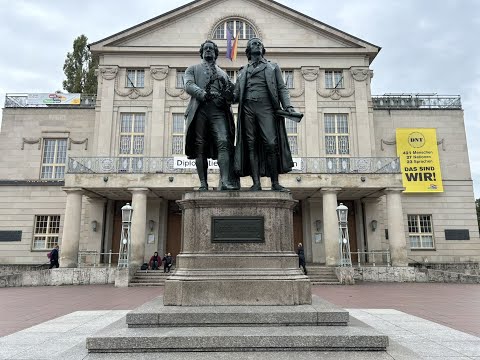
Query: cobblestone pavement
(454, 305)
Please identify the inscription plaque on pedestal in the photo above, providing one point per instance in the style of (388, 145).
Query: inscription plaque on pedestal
(238, 229)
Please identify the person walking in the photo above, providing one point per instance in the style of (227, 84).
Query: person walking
(301, 258)
(54, 258)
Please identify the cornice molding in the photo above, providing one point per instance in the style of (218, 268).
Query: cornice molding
(31, 141)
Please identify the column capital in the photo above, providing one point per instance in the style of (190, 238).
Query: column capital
(71, 190)
(393, 190)
(330, 190)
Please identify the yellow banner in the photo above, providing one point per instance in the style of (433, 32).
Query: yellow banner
(418, 153)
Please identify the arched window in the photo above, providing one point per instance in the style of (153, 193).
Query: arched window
(243, 28)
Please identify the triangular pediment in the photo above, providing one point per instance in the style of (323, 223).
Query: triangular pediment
(279, 27)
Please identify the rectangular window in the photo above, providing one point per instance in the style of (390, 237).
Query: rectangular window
(288, 78)
(420, 231)
(337, 138)
(292, 133)
(180, 76)
(46, 231)
(232, 74)
(54, 158)
(135, 78)
(178, 134)
(132, 142)
(334, 79)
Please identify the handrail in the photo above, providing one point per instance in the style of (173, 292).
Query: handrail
(162, 165)
(372, 254)
(82, 254)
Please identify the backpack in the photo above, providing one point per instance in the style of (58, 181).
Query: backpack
(144, 266)
(49, 255)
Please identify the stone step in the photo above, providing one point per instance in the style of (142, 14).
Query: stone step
(120, 338)
(145, 284)
(154, 313)
(326, 283)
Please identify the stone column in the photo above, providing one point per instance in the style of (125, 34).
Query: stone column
(330, 225)
(310, 75)
(139, 223)
(361, 77)
(158, 123)
(396, 231)
(71, 228)
(104, 121)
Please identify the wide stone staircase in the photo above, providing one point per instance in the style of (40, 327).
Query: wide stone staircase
(322, 275)
(149, 278)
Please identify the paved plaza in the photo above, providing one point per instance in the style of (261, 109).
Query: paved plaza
(423, 321)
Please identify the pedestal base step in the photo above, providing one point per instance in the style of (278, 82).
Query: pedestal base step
(119, 338)
(155, 314)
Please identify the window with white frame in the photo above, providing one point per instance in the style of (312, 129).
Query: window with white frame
(132, 141)
(420, 231)
(337, 138)
(288, 78)
(178, 134)
(135, 78)
(292, 133)
(179, 82)
(334, 79)
(243, 28)
(46, 231)
(232, 74)
(54, 158)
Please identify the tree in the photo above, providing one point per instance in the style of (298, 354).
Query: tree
(79, 68)
(477, 203)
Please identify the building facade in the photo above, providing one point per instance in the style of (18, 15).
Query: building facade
(67, 170)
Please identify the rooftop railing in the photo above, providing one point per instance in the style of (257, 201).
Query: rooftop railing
(21, 101)
(417, 101)
(159, 165)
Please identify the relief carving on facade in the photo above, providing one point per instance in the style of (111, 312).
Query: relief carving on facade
(361, 74)
(108, 72)
(310, 73)
(71, 141)
(159, 72)
(297, 91)
(334, 94)
(31, 141)
(175, 92)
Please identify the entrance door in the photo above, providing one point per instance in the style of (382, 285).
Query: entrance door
(297, 227)
(117, 229)
(174, 229)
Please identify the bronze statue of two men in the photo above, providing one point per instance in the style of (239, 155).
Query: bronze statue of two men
(262, 147)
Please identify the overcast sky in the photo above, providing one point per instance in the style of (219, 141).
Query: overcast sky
(428, 46)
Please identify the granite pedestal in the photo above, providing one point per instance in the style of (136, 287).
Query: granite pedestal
(244, 271)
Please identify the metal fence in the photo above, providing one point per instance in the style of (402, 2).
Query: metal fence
(159, 165)
(417, 101)
(93, 258)
(372, 257)
(20, 101)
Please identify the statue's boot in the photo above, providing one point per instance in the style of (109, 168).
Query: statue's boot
(224, 165)
(272, 160)
(202, 167)
(255, 173)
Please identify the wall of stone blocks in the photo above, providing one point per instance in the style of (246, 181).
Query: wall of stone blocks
(39, 123)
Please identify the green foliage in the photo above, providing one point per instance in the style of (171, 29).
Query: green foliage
(79, 68)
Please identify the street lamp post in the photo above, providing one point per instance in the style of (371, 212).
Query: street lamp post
(126, 236)
(343, 238)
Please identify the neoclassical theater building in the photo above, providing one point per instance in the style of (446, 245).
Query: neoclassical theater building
(399, 162)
